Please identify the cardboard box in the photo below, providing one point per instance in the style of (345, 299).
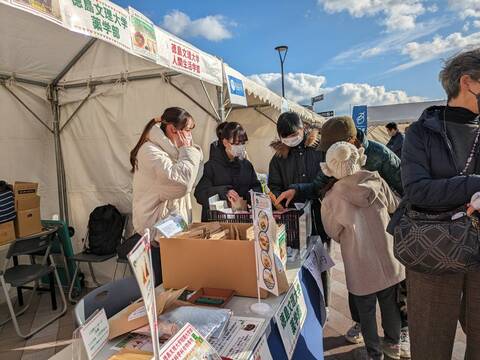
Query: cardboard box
(223, 264)
(7, 232)
(27, 204)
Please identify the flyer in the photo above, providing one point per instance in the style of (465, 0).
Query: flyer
(135, 342)
(238, 339)
(142, 30)
(291, 316)
(265, 229)
(188, 344)
(101, 19)
(94, 333)
(140, 259)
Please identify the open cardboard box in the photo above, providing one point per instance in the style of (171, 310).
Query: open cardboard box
(27, 205)
(223, 264)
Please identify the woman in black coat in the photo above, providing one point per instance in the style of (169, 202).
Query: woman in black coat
(227, 174)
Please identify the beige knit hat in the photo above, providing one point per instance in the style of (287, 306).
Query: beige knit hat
(343, 159)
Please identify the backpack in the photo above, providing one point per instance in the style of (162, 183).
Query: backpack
(7, 203)
(105, 228)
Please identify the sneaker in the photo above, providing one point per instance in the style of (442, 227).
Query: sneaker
(354, 334)
(391, 350)
(361, 354)
(405, 344)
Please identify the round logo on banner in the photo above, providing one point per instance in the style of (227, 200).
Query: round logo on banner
(361, 118)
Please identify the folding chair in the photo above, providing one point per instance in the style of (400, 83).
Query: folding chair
(84, 256)
(21, 275)
(113, 297)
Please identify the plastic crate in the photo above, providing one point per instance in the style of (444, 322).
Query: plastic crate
(290, 219)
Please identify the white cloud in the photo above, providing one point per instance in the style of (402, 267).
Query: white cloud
(212, 27)
(420, 53)
(476, 23)
(397, 14)
(301, 87)
(466, 8)
(391, 42)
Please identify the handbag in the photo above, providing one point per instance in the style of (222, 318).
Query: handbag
(439, 242)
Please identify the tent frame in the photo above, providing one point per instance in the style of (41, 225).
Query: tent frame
(54, 86)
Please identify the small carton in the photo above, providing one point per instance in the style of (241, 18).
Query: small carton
(27, 204)
(197, 263)
(7, 232)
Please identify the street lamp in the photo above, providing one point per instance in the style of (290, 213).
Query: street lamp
(282, 53)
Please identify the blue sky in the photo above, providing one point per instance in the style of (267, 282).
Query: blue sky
(353, 51)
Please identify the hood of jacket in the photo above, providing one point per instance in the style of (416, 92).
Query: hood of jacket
(215, 149)
(432, 117)
(311, 139)
(360, 189)
(158, 137)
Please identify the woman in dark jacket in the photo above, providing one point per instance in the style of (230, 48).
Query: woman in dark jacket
(227, 173)
(438, 176)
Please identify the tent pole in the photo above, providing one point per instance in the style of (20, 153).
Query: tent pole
(92, 90)
(26, 106)
(221, 97)
(265, 115)
(62, 193)
(22, 80)
(191, 99)
(228, 113)
(219, 119)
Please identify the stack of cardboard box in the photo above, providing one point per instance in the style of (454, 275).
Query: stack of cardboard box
(27, 205)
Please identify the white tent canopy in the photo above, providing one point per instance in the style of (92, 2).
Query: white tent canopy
(74, 106)
(399, 113)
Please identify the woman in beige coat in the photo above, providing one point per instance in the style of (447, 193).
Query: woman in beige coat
(355, 213)
(165, 165)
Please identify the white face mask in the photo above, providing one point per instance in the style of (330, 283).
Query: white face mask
(239, 151)
(293, 141)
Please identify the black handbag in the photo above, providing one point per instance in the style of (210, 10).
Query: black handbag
(439, 242)
(433, 243)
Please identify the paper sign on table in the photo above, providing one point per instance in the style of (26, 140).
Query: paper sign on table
(94, 333)
(188, 344)
(262, 352)
(238, 338)
(140, 259)
(291, 316)
(265, 232)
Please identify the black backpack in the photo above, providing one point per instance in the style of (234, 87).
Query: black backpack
(105, 228)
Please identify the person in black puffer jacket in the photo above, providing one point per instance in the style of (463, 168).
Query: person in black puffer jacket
(227, 173)
(435, 153)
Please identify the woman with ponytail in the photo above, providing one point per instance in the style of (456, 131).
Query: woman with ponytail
(165, 164)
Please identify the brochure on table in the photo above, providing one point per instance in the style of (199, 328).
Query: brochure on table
(188, 344)
(140, 259)
(239, 336)
(291, 316)
(265, 229)
(262, 352)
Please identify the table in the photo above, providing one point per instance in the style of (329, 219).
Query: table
(310, 342)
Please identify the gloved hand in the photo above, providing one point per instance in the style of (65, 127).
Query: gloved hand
(474, 204)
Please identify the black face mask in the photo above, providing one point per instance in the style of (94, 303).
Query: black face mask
(478, 99)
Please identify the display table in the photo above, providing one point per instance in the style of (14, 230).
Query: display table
(310, 341)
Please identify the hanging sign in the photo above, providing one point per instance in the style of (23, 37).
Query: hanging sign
(142, 30)
(140, 259)
(360, 117)
(265, 232)
(179, 55)
(291, 316)
(98, 18)
(48, 9)
(188, 344)
(236, 88)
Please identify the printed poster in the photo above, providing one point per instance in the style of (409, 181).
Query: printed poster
(237, 341)
(142, 31)
(140, 259)
(100, 19)
(236, 87)
(188, 344)
(48, 9)
(291, 316)
(265, 229)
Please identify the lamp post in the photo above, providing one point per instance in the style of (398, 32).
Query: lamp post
(282, 53)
